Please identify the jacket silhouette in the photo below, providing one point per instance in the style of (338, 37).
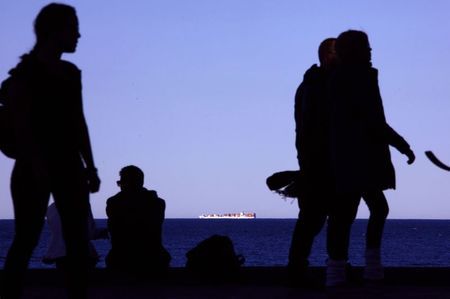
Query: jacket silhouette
(312, 126)
(135, 221)
(360, 134)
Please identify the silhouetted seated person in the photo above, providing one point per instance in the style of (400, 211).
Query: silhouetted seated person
(135, 218)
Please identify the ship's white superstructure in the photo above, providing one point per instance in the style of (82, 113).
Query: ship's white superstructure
(241, 215)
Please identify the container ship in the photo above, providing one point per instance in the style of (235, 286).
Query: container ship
(241, 215)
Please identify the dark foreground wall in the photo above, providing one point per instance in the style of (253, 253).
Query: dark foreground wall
(252, 283)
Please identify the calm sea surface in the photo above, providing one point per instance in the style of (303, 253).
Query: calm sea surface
(265, 242)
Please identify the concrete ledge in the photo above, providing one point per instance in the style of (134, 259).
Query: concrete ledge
(424, 276)
(254, 282)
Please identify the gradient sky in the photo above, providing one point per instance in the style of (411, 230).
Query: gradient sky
(200, 94)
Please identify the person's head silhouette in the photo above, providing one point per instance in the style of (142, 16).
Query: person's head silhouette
(56, 28)
(353, 48)
(131, 178)
(327, 53)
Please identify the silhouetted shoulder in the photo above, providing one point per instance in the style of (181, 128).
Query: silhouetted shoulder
(147, 194)
(113, 198)
(312, 73)
(309, 77)
(354, 76)
(30, 68)
(112, 203)
(70, 66)
(70, 70)
(153, 195)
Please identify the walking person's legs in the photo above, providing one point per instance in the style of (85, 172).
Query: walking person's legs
(71, 197)
(379, 210)
(342, 213)
(311, 219)
(30, 199)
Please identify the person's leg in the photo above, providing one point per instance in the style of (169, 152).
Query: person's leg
(70, 192)
(379, 209)
(311, 219)
(30, 200)
(342, 213)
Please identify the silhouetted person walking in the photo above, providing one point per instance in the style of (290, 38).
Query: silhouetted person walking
(53, 151)
(135, 219)
(360, 139)
(312, 143)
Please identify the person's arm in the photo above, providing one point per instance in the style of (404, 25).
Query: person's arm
(398, 142)
(163, 210)
(86, 153)
(112, 209)
(85, 143)
(379, 126)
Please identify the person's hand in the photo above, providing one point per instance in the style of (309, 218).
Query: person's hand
(93, 180)
(411, 156)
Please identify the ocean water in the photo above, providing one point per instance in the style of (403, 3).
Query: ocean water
(265, 242)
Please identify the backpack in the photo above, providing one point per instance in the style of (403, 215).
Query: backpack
(214, 258)
(7, 143)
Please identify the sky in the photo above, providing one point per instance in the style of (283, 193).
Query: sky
(200, 94)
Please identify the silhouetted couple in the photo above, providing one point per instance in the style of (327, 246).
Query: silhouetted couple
(342, 141)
